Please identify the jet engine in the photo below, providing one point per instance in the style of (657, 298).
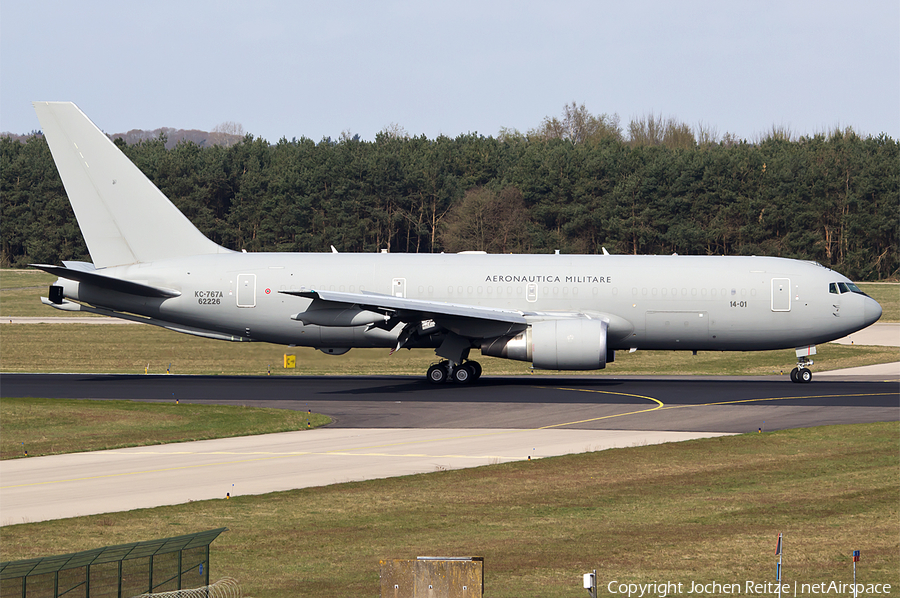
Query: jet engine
(563, 344)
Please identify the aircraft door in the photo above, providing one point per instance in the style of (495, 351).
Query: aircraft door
(781, 294)
(398, 287)
(246, 290)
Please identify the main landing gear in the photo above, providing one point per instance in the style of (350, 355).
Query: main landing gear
(465, 373)
(802, 373)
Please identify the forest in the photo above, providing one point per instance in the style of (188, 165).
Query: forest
(832, 198)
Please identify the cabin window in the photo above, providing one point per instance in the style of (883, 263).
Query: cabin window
(832, 288)
(843, 287)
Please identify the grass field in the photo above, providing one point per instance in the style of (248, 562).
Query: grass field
(54, 426)
(702, 511)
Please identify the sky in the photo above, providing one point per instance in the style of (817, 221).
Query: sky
(319, 69)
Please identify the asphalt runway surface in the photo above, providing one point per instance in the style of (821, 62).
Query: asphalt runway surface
(400, 425)
(689, 404)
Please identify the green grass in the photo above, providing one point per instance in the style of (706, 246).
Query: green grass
(21, 291)
(54, 426)
(705, 510)
(888, 295)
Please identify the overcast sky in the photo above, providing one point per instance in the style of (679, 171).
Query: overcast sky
(317, 69)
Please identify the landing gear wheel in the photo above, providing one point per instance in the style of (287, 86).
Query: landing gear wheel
(804, 375)
(438, 373)
(464, 374)
(476, 367)
(794, 373)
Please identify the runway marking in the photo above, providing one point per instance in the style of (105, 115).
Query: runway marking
(662, 407)
(867, 394)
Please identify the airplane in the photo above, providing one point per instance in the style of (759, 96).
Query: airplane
(557, 311)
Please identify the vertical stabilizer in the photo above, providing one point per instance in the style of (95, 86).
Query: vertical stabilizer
(124, 218)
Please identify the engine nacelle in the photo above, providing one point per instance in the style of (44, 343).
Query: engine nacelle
(564, 344)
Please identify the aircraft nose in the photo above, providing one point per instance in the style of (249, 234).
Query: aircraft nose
(872, 311)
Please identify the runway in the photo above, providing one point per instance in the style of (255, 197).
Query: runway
(686, 404)
(398, 425)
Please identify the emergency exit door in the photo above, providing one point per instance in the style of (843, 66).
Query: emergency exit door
(781, 294)
(246, 290)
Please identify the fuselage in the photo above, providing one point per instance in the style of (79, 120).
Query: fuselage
(652, 302)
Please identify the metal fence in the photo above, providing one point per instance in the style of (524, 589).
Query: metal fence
(113, 571)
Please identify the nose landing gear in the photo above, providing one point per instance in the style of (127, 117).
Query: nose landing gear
(802, 373)
(799, 374)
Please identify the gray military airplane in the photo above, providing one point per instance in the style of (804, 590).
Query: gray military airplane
(559, 312)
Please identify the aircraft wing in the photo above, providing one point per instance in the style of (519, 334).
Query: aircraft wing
(470, 321)
(414, 308)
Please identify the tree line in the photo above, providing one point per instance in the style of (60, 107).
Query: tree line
(574, 186)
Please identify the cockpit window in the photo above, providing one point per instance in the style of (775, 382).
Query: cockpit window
(844, 287)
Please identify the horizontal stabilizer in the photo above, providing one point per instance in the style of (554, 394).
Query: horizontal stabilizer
(107, 282)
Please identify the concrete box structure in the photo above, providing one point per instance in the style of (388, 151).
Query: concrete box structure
(433, 577)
